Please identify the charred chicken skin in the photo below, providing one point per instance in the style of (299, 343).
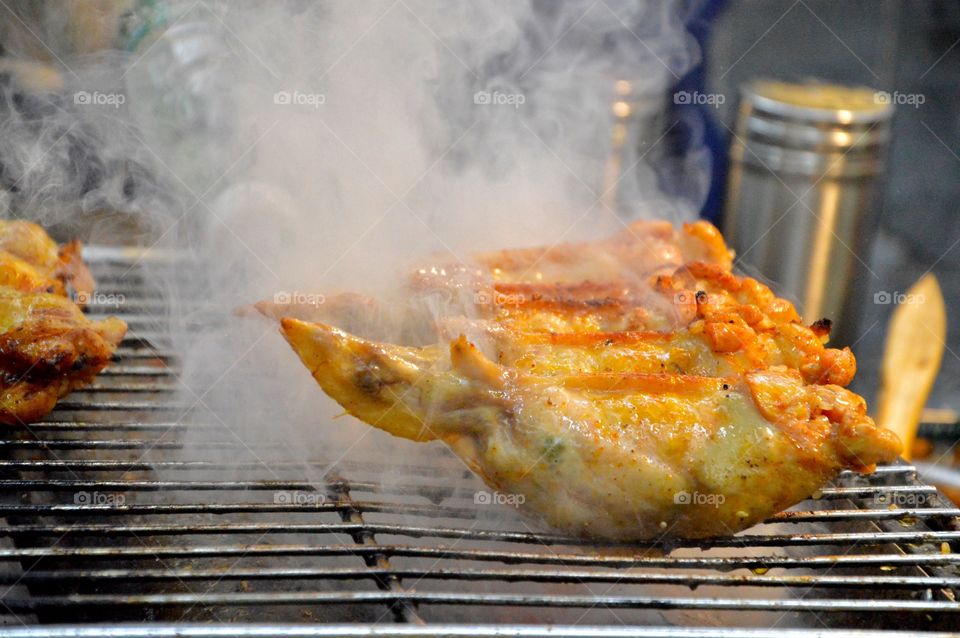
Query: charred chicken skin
(48, 347)
(630, 389)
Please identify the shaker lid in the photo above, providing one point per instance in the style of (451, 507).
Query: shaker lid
(819, 101)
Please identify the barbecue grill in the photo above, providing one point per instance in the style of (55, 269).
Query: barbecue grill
(113, 514)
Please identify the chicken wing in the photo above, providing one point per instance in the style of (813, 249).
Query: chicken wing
(628, 389)
(617, 456)
(48, 348)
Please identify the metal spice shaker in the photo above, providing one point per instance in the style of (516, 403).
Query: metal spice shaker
(802, 202)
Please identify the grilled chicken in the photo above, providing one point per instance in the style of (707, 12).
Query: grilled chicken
(31, 261)
(629, 389)
(48, 348)
(618, 456)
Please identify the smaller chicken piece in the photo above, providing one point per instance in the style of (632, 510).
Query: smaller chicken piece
(48, 348)
(31, 261)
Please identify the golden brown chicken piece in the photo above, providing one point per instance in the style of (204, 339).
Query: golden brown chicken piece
(48, 348)
(32, 262)
(646, 399)
(615, 456)
(641, 250)
(19, 274)
(546, 280)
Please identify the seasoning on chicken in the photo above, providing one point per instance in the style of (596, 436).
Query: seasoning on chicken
(629, 389)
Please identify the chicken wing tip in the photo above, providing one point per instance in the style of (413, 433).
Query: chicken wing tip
(292, 326)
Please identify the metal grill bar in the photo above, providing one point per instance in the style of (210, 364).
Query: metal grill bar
(77, 426)
(520, 575)
(132, 387)
(394, 598)
(136, 371)
(122, 466)
(190, 466)
(131, 352)
(121, 406)
(152, 486)
(507, 557)
(246, 630)
(353, 528)
(426, 510)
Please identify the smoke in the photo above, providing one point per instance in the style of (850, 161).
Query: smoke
(319, 147)
(315, 148)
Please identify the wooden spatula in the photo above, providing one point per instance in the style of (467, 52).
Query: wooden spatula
(914, 348)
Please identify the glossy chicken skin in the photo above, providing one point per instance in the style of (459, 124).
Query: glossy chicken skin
(32, 262)
(19, 274)
(48, 348)
(713, 323)
(629, 389)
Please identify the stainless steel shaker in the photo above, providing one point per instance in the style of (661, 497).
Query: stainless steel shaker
(801, 201)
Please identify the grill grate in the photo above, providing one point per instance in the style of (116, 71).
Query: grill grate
(116, 512)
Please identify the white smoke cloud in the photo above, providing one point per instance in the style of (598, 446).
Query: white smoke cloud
(323, 146)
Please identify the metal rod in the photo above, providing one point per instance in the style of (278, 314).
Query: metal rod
(508, 557)
(352, 528)
(406, 470)
(437, 630)
(506, 575)
(424, 510)
(514, 600)
(263, 484)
